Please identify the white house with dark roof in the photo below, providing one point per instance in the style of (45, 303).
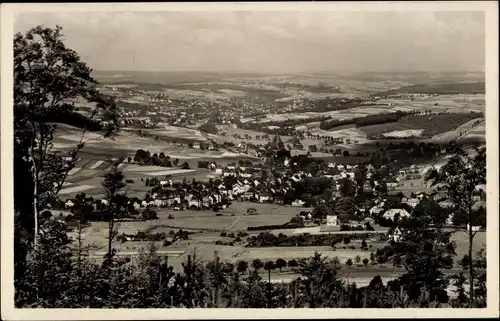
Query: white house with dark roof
(391, 213)
(413, 202)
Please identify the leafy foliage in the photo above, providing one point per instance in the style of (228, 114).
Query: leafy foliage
(48, 77)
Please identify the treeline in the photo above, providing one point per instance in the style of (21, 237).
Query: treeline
(287, 225)
(266, 239)
(146, 158)
(366, 120)
(143, 236)
(75, 119)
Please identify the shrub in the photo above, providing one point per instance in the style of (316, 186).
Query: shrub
(349, 262)
(218, 214)
(223, 234)
(464, 262)
(293, 263)
(280, 263)
(365, 261)
(170, 217)
(231, 235)
(345, 227)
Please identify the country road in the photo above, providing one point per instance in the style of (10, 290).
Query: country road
(234, 223)
(470, 130)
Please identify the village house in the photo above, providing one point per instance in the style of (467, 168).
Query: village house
(393, 212)
(446, 204)
(263, 198)
(449, 220)
(229, 173)
(305, 215)
(245, 175)
(69, 204)
(367, 188)
(392, 184)
(413, 202)
(298, 203)
(396, 234)
(160, 202)
(377, 209)
(332, 220)
(247, 196)
(350, 220)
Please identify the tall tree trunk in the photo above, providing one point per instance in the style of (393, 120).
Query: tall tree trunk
(269, 290)
(110, 237)
(471, 266)
(35, 207)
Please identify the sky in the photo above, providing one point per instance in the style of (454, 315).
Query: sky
(271, 41)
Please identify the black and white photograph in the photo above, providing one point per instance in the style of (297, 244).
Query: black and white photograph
(211, 157)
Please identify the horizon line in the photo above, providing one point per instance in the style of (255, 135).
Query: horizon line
(290, 72)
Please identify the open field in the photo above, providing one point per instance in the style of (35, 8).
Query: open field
(477, 87)
(208, 228)
(203, 246)
(125, 144)
(441, 103)
(352, 133)
(177, 132)
(267, 214)
(356, 112)
(404, 133)
(89, 180)
(76, 189)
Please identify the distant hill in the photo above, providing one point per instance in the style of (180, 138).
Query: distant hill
(169, 77)
(443, 89)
